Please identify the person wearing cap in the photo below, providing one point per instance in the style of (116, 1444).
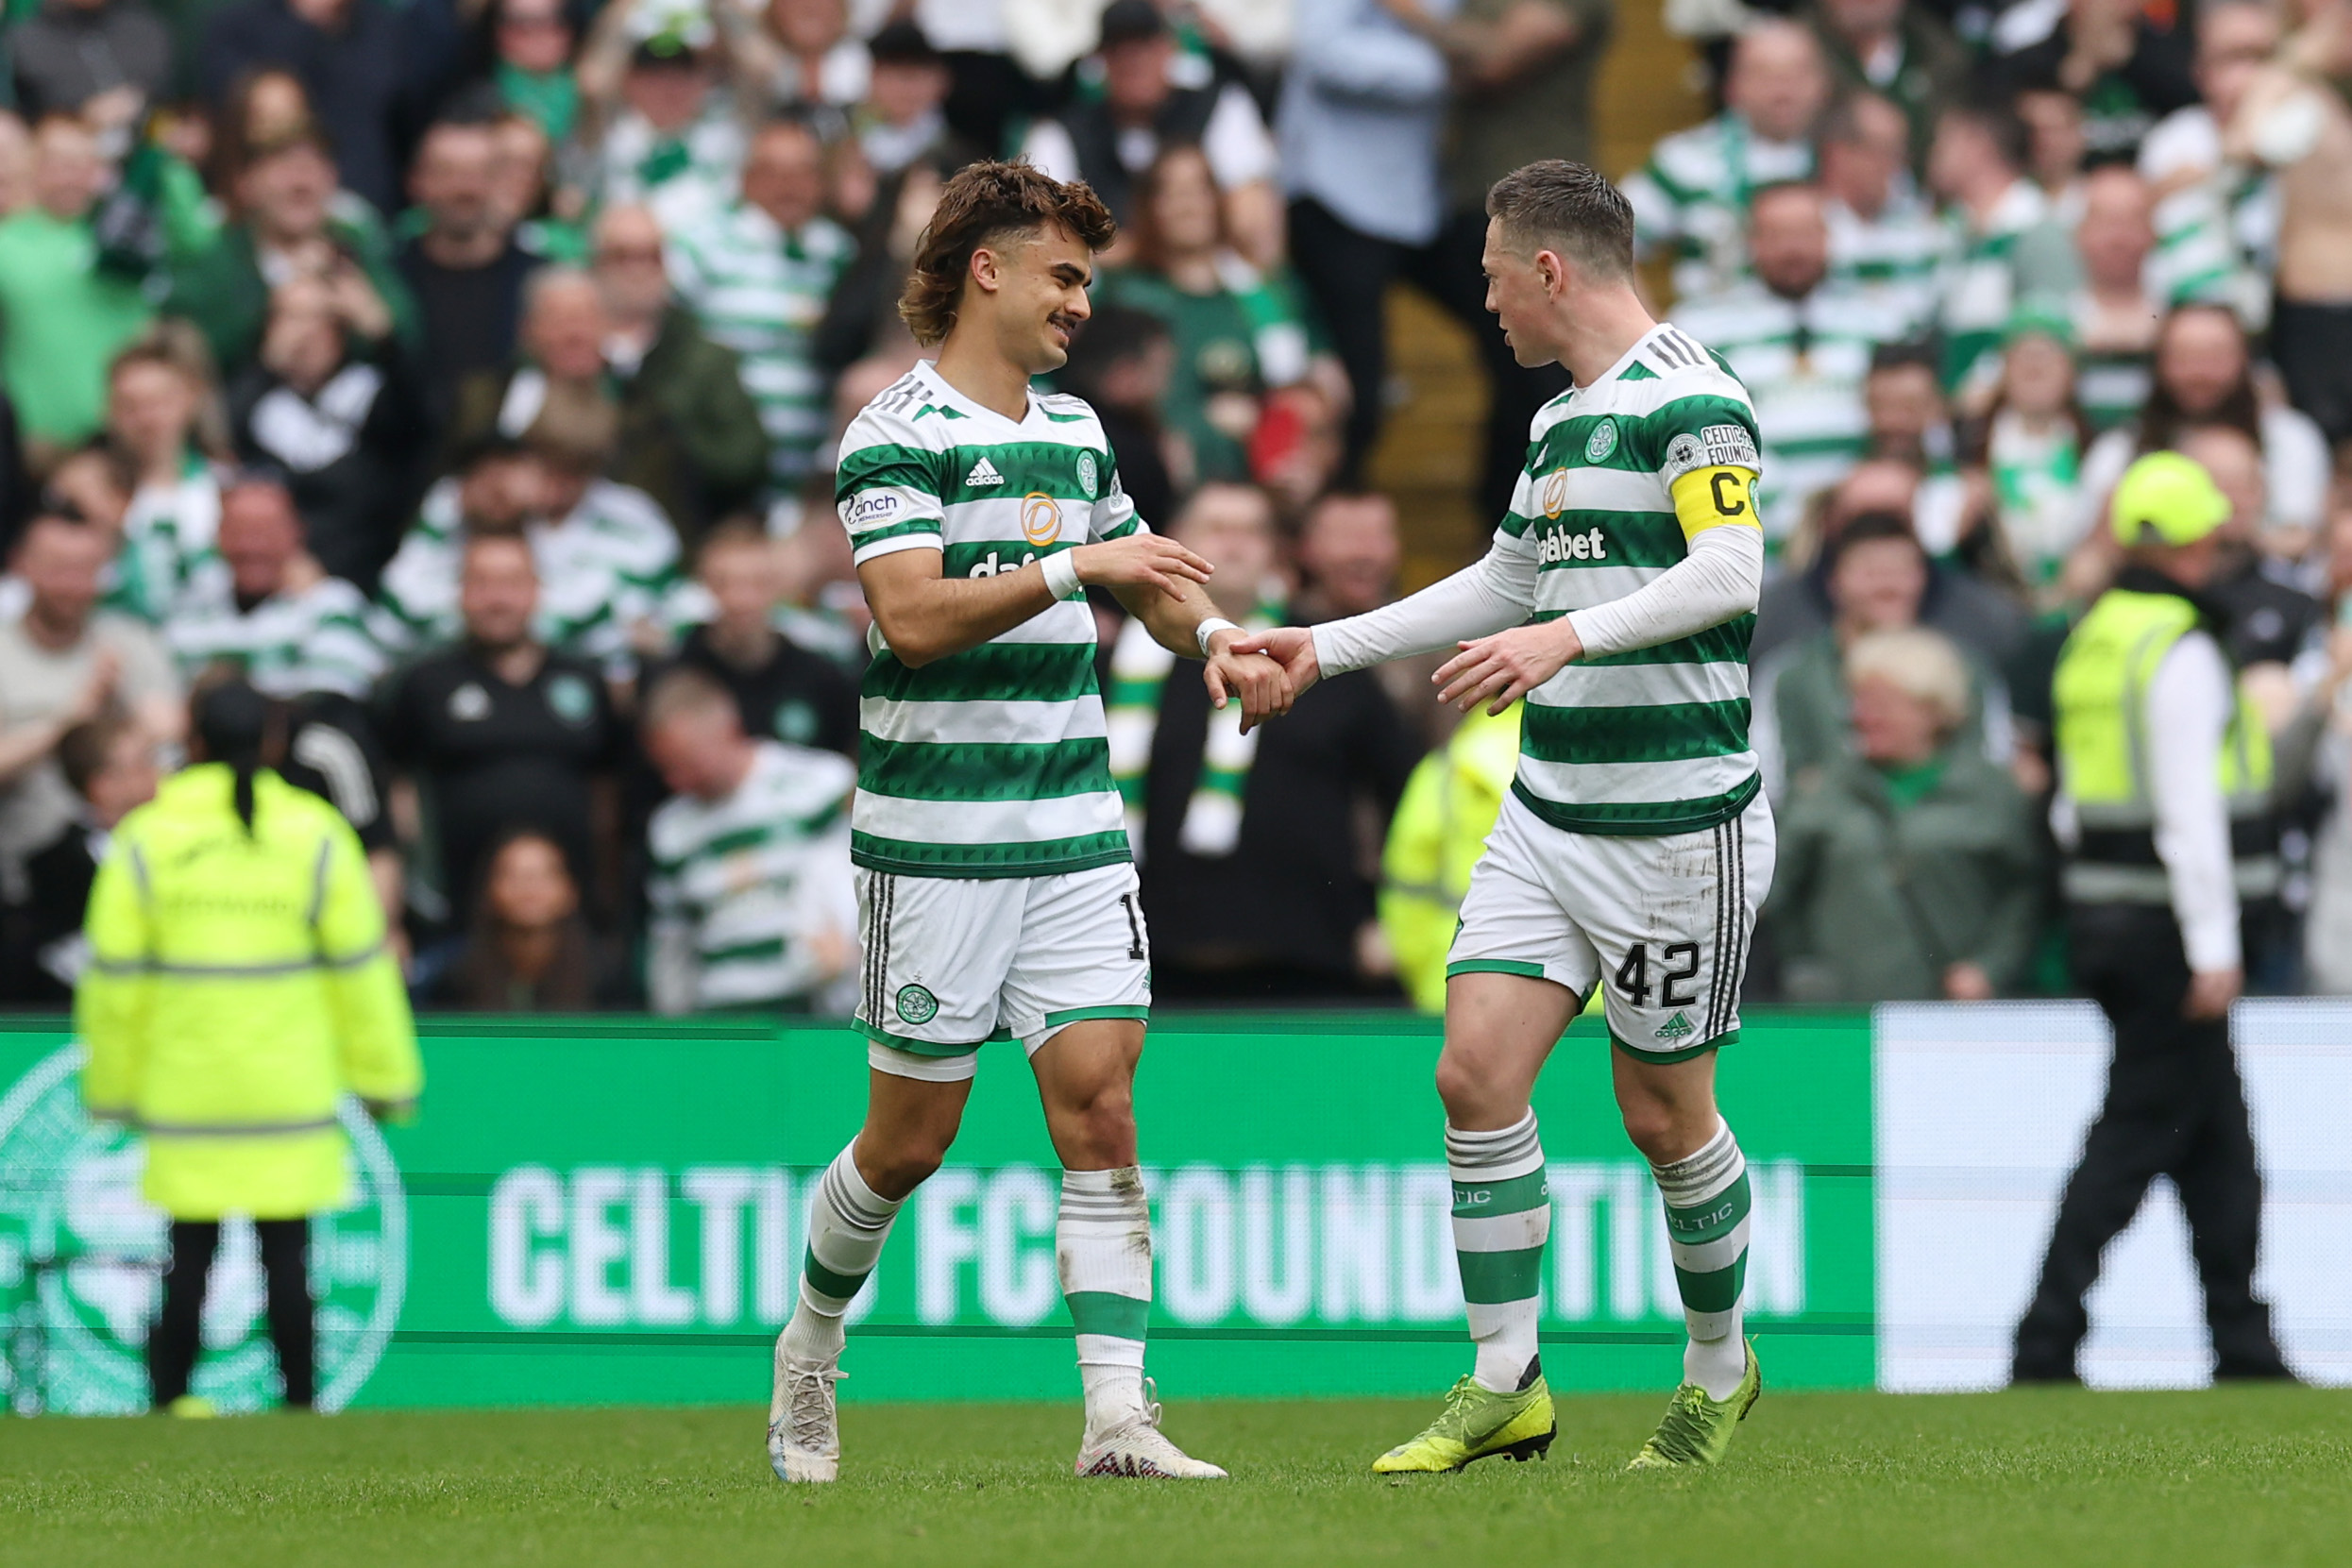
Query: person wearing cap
(668, 134)
(238, 986)
(2164, 807)
(1153, 94)
(904, 115)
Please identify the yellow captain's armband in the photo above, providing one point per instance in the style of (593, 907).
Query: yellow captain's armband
(1715, 498)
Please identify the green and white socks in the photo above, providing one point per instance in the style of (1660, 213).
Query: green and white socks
(1707, 1221)
(1103, 1242)
(1502, 1220)
(848, 1222)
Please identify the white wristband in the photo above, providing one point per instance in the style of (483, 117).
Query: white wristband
(1209, 628)
(1061, 574)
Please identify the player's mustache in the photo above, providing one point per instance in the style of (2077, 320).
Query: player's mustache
(1064, 320)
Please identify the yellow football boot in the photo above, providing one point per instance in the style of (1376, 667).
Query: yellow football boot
(1478, 1424)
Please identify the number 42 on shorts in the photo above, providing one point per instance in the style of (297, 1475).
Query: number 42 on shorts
(1633, 975)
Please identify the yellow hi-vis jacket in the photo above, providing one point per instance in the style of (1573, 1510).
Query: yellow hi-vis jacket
(237, 987)
(2099, 694)
(1449, 807)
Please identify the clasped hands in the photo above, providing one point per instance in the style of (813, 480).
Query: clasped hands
(1496, 670)
(1151, 561)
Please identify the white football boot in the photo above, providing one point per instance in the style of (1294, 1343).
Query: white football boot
(803, 1427)
(1131, 1443)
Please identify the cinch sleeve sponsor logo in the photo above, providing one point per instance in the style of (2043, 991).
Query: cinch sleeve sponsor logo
(874, 506)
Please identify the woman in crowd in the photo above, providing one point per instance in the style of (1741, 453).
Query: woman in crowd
(1878, 579)
(2205, 376)
(2033, 451)
(1236, 334)
(529, 948)
(266, 110)
(1909, 870)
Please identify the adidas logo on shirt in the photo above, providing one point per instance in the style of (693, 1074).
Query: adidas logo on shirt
(983, 474)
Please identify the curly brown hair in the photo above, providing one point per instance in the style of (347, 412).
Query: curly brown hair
(983, 206)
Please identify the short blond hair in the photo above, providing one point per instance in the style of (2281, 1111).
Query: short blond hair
(1922, 665)
(685, 692)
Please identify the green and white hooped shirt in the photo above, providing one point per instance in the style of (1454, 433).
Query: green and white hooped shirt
(762, 292)
(168, 544)
(991, 762)
(1653, 741)
(609, 563)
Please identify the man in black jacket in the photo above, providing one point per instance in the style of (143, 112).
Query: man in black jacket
(1289, 818)
(782, 691)
(499, 732)
(466, 268)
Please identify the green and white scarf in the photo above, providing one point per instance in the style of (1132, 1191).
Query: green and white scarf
(2036, 478)
(1139, 669)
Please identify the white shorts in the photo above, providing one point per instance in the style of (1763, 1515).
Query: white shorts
(955, 962)
(1664, 921)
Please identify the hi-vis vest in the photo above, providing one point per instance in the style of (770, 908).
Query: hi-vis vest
(1449, 807)
(238, 985)
(2102, 720)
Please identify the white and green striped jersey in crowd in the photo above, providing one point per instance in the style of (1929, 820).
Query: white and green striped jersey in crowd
(762, 291)
(1690, 201)
(611, 563)
(2112, 386)
(684, 178)
(2217, 224)
(1896, 260)
(1653, 741)
(291, 644)
(1804, 362)
(750, 897)
(168, 545)
(992, 762)
(1988, 279)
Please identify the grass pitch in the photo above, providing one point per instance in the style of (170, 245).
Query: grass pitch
(2239, 1475)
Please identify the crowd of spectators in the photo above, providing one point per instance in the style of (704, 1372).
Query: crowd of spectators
(465, 373)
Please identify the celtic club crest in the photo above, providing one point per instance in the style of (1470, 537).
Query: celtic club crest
(917, 1005)
(81, 1259)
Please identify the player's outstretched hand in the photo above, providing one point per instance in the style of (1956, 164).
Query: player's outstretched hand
(1500, 669)
(1264, 685)
(1139, 561)
(1291, 647)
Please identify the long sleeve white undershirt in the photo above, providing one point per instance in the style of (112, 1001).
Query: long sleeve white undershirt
(2189, 703)
(1720, 577)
